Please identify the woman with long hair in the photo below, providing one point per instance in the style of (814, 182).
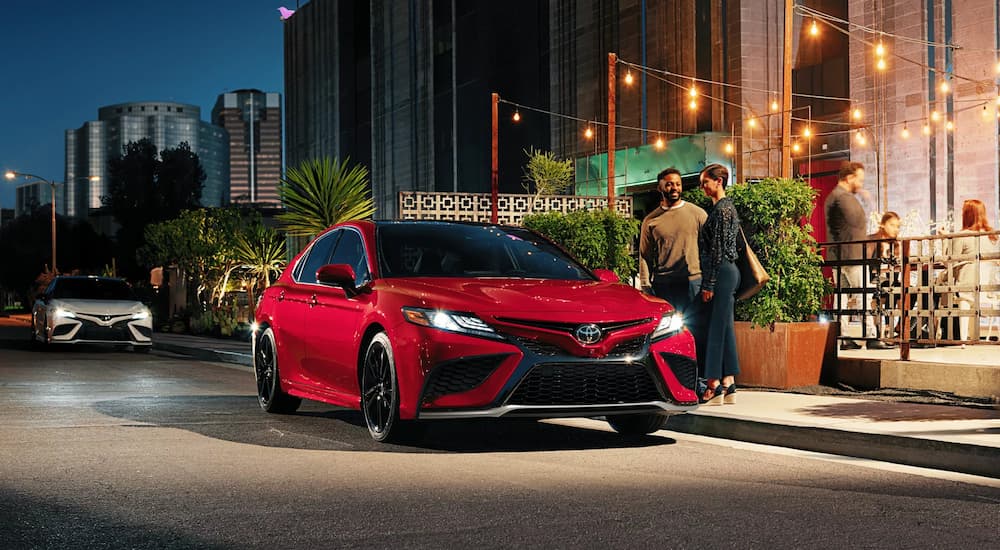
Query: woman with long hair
(720, 278)
(964, 273)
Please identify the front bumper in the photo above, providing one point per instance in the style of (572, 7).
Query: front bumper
(100, 329)
(557, 411)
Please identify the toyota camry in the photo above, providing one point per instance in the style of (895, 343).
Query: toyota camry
(414, 320)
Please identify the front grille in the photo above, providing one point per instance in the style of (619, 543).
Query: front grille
(62, 330)
(117, 332)
(630, 348)
(684, 368)
(540, 348)
(585, 384)
(461, 375)
(570, 327)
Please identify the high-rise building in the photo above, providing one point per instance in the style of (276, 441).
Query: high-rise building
(406, 92)
(32, 195)
(166, 124)
(253, 120)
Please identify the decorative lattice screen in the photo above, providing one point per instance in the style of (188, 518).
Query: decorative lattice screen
(511, 209)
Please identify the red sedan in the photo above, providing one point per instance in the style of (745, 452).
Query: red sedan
(412, 321)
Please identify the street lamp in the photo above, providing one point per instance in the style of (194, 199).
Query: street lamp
(11, 175)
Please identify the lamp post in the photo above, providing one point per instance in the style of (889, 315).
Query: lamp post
(11, 175)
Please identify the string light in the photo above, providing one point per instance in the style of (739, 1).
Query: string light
(628, 77)
(729, 148)
(588, 133)
(935, 116)
(806, 132)
(693, 92)
(906, 132)
(945, 87)
(860, 137)
(752, 123)
(774, 105)
(998, 66)
(796, 147)
(949, 125)
(517, 116)
(880, 50)
(659, 142)
(693, 104)
(856, 115)
(881, 64)
(927, 129)
(814, 28)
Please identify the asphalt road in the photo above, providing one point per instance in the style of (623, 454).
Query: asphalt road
(109, 449)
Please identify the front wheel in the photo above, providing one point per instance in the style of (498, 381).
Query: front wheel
(637, 424)
(380, 393)
(265, 368)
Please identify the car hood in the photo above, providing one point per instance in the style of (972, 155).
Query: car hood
(530, 298)
(98, 307)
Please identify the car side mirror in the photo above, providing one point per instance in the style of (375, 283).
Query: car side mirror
(607, 275)
(341, 275)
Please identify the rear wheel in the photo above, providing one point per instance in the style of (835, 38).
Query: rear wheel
(637, 424)
(265, 368)
(380, 393)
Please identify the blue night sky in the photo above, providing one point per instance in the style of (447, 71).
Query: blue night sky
(63, 59)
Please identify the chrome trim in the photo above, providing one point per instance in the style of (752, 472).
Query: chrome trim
(556, 410)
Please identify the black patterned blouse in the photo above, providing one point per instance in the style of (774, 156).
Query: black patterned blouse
(717, 241)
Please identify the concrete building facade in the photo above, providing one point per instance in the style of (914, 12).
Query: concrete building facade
(252, 119)
(166, 124)
(29, 196)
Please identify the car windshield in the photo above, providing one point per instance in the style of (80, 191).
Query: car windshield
(457, 250)
(92, 289)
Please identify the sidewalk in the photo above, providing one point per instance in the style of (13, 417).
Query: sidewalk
(960, 439)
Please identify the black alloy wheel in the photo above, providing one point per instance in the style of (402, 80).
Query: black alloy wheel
(637, 424)
(265, 368)
(380, 391)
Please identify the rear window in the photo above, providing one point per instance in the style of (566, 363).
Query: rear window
(92, 289)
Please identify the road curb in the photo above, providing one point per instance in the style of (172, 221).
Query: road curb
(202, 354)
(912, 451)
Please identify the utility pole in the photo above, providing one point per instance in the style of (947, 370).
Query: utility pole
(612, 80)
(786, 95)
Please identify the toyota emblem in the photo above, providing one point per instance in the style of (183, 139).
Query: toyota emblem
(588, 334)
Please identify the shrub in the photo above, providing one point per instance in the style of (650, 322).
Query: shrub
(600, 239)
(773, 212)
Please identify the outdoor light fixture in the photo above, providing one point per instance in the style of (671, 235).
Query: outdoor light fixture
(814, 28)
(774, 105)
(693, 104)
(752, 122)
(935, 116)
(949, 125)
(659, 142)
(693, 92)
(881, 64)
(927, 129)
(11, 175)
(628, 77)
(856, 114)
(906, 132)
(517, 116)
(588, 133)
(729, 148)
(880, 50)
(945, 87)
(860, 137)
(806, 132)
(796, 147)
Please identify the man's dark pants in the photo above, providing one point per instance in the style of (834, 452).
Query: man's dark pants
(684, 296)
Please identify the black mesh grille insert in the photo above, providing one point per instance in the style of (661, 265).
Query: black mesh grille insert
(540, 348)
(461, 375)
(630, 348)
(117, 332)
(62, 330)
(585, 384)
(684, 368)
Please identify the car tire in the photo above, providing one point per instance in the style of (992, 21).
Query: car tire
(380, 394)
(637, 424)
(270, 396)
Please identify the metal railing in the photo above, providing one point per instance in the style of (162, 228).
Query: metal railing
(918, 291)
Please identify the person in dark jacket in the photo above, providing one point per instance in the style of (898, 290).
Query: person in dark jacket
(720, 279)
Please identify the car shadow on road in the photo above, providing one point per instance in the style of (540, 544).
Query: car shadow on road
(238, 418)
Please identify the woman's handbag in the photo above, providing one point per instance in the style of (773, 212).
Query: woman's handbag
(753, 277)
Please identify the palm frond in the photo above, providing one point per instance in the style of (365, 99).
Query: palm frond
(322, 192)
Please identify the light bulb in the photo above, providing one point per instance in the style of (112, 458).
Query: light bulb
(881, 64)
(774, 105)
(927, 129)
(693, 104)
(935, 116)
(949, 125)
(693, 92)
(814, 28)
(905, 133)
(588, 133)
(628, 78)
(860, 137)
(729, 148)
(796, 147)
(945, 87)
(517, 116)
(880, 50)
(752, 122)
(856, 114)
(806, 132)
(659, 143)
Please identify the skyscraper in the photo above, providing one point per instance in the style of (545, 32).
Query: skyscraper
(253, 120)
(166, 124)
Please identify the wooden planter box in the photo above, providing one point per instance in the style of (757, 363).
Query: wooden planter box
(791, 355)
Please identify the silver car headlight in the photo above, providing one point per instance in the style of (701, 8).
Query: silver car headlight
(450, 321)
(670, 324)
(61, 313)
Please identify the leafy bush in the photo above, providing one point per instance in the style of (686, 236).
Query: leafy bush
(600, 239)
(773, 212)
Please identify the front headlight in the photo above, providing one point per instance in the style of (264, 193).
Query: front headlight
(450, 321)
(64, 314)
(140, 315)
(670, 324)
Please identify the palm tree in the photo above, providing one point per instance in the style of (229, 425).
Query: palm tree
(260, 252)
(323, 192)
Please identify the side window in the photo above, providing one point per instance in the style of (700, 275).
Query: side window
(319, 255)
(351, 251)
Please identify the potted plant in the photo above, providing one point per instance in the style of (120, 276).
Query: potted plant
(781, 344)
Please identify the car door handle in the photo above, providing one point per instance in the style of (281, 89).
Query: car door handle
(313, 301)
